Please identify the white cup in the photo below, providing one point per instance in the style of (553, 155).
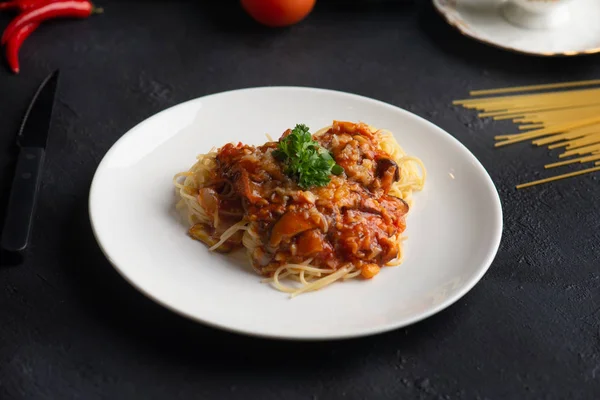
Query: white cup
(537, 14)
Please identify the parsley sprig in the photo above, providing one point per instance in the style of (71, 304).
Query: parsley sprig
(305, 160)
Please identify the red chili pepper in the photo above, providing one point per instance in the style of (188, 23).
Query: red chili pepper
(61, 9)
(9, 5)
(23, 5)
(14, 44)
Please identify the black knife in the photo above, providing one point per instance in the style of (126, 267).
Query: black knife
(32, 139)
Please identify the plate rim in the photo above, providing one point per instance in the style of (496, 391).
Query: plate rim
(379, 329)
(445, 11)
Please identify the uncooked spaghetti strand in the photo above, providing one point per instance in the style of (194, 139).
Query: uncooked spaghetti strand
(561, 85)
(556, 145)
(508, 116)
(580, 160)
(584, 144)
(580, 151)
(517, 111)
(542, 110)
(520, 100)
(559, 177)
(571, 134)
(577, 143)
(557, 117)
(538, 133)
(521, 137)
(531, 99)
(553, 120)
(578, 140)
(531, 126)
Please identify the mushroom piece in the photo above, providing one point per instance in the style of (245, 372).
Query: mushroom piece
(388, 172)
(384, 165)
(395, 205)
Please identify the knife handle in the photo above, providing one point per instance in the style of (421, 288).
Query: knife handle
(22, 200)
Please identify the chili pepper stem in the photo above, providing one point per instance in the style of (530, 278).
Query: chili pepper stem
(97, 10)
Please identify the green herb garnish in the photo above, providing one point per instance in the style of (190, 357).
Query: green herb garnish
(305, 160)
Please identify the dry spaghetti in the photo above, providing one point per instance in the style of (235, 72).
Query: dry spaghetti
(567, 119)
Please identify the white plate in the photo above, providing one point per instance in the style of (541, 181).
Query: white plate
(453, 229)
(483, 20)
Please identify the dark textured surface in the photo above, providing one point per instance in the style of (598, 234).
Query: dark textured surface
(70, 327)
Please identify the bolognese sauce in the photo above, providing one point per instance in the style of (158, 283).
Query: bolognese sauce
(352, 220)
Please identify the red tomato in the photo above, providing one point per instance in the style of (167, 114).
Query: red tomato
(277, 13)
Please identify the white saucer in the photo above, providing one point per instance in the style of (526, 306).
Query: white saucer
(484, 20)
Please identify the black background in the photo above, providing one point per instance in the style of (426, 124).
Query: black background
(70, 327)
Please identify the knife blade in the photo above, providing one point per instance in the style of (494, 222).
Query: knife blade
(31, 139)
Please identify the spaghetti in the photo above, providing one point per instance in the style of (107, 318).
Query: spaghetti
(303, 239)
(567, 119)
